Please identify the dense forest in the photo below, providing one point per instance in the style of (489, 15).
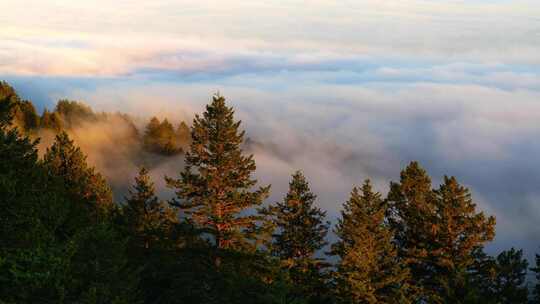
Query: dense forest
(66, 239)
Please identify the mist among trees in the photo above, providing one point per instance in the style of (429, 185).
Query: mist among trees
(65, 238)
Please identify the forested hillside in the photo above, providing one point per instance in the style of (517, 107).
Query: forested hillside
(65, 238)
(160, 137)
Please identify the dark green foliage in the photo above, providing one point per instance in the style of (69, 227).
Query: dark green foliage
(65, 160)
(369, 270)
(300, 234)
(148, 220)
(46, 254)
(29, 262)
(500, 279)
(190, 275)
(99, 270)
(509, 284)
(215, 188)
(158, 244)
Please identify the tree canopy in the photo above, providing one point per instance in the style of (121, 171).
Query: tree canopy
(64, 238)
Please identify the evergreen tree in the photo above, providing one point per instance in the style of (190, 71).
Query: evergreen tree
(25, 116)
(509, 285)
(369, 270)
(458, 231)
(167, 138)
(51, 121)
(74, 112)
(500, 279)
(22, 113)
(151, 133)
(65, 160)
(148, 220)
(301, 232)
(410, 214)
(436, 233)
(160, 137)
(215, 188)
(23, 182)
(32, 264)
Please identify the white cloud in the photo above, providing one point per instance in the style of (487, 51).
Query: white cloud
(115, 38)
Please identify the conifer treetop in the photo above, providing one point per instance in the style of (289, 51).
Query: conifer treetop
(215, 189)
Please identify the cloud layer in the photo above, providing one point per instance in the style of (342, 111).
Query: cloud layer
(100, 38)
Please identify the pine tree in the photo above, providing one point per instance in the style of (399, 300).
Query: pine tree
(25, 116)
(215, 188)
(24, 186)
(151, 134)
(167, 138)
(458, 231)
(160, 137)
(437, 233)
(22, 112)
(500, 279)
(301, 232)
(148, 219)
(369, 270)
(410, 214)
(65, 160)
(19, 170)
(51, 121)
(536, 271)
(509, 285)
(34, 244)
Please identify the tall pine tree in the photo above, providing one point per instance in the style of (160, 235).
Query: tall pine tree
(148, 220)
(368, 270)
(65, 160)
(300, 234)
(458, 232)
(215, 189)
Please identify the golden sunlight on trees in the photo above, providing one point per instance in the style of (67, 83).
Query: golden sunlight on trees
(64, 238)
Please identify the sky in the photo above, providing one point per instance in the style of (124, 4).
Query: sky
(344, 90)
